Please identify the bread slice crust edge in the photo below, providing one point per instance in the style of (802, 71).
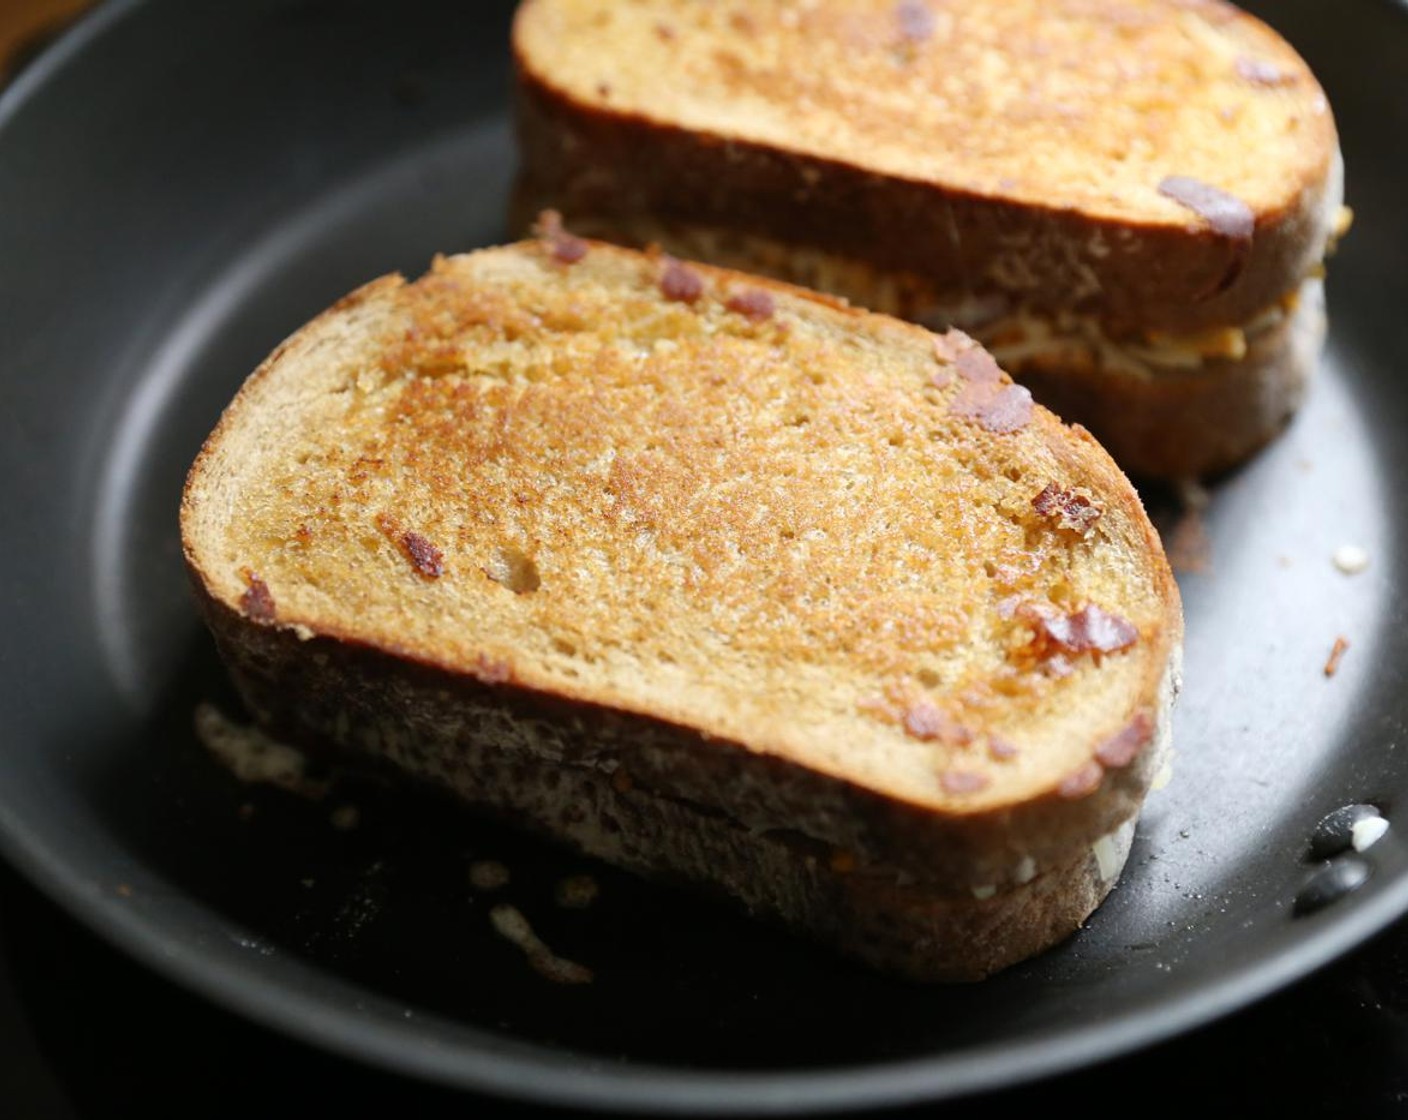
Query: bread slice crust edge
(675, 765)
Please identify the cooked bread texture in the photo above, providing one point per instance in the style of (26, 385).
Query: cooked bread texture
(1137, 188)
(711, 577)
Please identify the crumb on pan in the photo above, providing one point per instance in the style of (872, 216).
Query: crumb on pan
(252, 756)
(1336, 655)
(488, 875)
(512, 926)
(1366, 833)
(576, 892)
(345, 818)
(1350, 559)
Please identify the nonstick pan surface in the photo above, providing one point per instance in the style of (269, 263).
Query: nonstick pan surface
(181, 185)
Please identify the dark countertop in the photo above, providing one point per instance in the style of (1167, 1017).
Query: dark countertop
(86, 1033)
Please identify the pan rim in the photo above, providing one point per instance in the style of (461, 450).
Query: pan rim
(511, 1068)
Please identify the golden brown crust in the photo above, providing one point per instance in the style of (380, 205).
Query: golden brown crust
(750, 145)
(786, 568)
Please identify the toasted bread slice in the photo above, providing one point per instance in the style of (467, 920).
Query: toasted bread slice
(1145, 182)
(712, 577)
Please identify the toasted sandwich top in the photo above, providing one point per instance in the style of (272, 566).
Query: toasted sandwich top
(1089, 105)
(708, 499)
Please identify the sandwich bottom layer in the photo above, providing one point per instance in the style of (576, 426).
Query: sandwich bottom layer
(1164, 406)
(413, 723)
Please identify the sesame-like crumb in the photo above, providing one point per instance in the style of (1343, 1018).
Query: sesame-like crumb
(1337, 652)
(252, 756)
(1350, 559)
(1365, 833)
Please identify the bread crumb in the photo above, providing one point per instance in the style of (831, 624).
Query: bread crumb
(424, 556)
(1192, 494)
(345, 818)
(488, 875)
(252, 756)
(1186, 540)
(1337, 652)
(576, 892)
(1026, 870)
(1350, 559)
(984, 892)
(1367, 832)
(1189, 546)
(512, 926)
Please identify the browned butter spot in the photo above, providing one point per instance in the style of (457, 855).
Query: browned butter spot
(257, 601)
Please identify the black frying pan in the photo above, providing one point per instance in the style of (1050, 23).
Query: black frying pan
(183, 184)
